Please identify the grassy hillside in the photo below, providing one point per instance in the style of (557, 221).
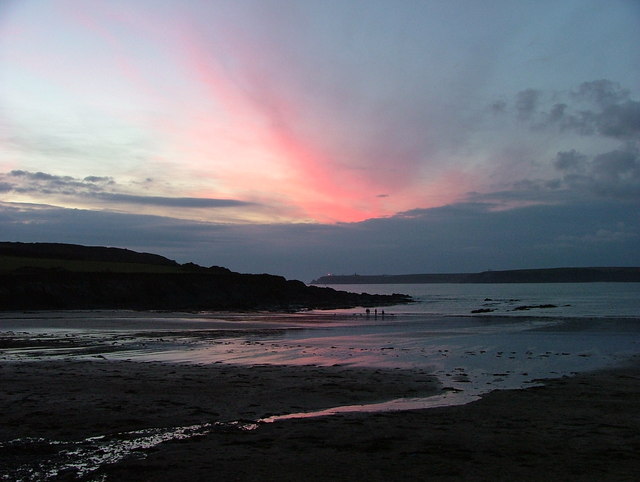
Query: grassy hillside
(60, 251)
(85, 259)
(14, 263)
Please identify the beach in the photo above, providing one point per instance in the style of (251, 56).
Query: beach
(168, 396)
(584, 427)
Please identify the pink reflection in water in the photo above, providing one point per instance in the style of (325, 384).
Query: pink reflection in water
(400, 404)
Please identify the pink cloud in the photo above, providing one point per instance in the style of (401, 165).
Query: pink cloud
(314, 182)
(243, 119)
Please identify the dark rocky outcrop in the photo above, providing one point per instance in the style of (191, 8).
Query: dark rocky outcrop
(59, 289)
(188, 287)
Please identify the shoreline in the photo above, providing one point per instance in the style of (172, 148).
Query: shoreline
(583, 427)
(76, 399)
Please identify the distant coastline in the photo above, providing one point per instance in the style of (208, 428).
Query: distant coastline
(547, 275)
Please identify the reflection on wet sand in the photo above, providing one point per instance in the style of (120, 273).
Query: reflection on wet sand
(157, 378)
(474, 354)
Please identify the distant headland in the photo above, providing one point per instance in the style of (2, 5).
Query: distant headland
(550, 275)
(46, 276)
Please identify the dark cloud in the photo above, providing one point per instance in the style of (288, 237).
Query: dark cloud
(499, 106)
(617, 165)
(185, 202)
(60, 180)
(527, 103)
(570, 161)
(468, 236)
(39, 176)
(600, 108)
(621, 121)
(557, 113)
(107, 180)
(614, 173)
(95, 187)
(525, 192)
(617, 173)
(603, 92)
(33, 182)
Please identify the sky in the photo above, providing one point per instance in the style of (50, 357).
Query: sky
(306, 137)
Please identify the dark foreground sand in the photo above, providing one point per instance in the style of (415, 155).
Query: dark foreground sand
(581, 428)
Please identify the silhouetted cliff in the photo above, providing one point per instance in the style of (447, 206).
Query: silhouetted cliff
(44, 276)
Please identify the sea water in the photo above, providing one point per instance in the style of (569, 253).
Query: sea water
(570, 299)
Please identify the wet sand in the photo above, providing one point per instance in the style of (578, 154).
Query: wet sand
(585, 427)
(70, 400)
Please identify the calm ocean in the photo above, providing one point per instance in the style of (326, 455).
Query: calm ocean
(570, 299)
